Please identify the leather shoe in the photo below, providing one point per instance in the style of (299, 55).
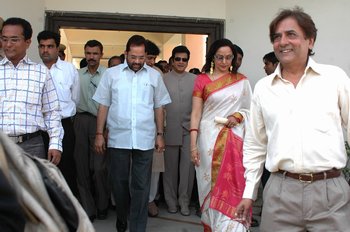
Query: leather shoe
(152, 209)
(121, 226)
(92, 218)
(102, 214)
(185, 211)
(254, 223)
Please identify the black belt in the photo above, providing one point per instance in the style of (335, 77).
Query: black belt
(69, 119)
(311, 177)
(87, 113)
(22, 138)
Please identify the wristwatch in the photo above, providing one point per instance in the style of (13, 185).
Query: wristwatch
(160, 133)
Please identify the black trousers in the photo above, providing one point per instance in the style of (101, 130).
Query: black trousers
(67, 163)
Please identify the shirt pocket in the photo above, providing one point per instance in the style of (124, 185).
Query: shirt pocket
(63, 92)
(147, 93)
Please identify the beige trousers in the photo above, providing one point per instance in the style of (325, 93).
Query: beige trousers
(293, 206)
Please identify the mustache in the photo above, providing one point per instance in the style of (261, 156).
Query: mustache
(90, 60)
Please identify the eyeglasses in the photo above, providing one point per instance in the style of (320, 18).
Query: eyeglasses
(11, 40)
(179, 59)
(132, 57)
(222, 58)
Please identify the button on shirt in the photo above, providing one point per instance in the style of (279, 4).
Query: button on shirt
(66, 79)
(297, 129)
(29, 101)
(131, 98)
(88, 86)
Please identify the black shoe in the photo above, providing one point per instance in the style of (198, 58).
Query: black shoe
(254, 223)
(92, 218)
(121, 226)
(102, 214)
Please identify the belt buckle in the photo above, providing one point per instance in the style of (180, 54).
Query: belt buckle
(306, 181)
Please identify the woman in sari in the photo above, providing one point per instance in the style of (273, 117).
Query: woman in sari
(216, 143)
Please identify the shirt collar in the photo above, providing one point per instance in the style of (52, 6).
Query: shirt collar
(58, 64)
(24, 60)
(125, 66)
(97, 71)
(311, 65)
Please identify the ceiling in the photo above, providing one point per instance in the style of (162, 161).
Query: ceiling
(113, 41)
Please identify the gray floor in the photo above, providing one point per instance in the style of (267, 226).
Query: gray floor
(169, 222)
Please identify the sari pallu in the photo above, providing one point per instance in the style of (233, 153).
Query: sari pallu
(220, 175)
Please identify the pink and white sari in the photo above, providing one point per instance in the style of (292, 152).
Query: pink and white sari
(220, 175)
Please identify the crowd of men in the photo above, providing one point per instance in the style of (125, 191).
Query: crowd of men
(111, 131)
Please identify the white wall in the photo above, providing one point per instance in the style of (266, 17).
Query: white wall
(33, 12)
(193, 8)
(247, 24)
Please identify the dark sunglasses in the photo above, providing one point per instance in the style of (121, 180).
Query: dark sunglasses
(179, 59)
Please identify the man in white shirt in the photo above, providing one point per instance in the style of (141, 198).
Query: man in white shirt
(296, 121)
(132, 96)
(66, 79)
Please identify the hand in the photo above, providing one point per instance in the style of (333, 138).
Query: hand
(160, 144)
(54, 156)
(231, 122)
(195, 158)
(100, 144)
(243, 210)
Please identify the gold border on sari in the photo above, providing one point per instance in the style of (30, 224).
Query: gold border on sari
(222, 82)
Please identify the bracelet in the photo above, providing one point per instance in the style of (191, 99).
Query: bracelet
(193, 130)
(160, 133)
(239, 118)
(99, 133)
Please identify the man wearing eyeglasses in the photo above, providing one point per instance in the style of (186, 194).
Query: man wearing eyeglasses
(131, 97)
(28, 98)
(91, 167)
(177, 137)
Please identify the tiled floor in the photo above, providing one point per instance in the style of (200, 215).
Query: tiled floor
(166, 222)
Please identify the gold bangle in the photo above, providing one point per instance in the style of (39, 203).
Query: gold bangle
(238, 116)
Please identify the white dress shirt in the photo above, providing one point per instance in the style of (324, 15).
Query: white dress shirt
(131, 98)
(66, 79)
(297, 129)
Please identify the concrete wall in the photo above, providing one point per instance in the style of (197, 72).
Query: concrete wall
(246, 22)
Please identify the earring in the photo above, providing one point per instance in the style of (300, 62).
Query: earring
(231, 68)
(212, 68)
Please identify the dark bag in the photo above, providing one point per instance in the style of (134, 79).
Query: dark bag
(59, 198)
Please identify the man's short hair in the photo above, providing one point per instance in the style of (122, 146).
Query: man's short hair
(45, 35)
(181, 49)
(152, 48)
(270, 57)
(112, 58)
(135, 40)
(27, 28)
(304, 21)
(94, 43)
(238, 50)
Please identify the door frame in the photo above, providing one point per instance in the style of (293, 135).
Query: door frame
(214, 28)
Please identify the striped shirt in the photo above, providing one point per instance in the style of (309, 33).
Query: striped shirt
(29, 101)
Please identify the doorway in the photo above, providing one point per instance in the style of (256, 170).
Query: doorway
(161, 27)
